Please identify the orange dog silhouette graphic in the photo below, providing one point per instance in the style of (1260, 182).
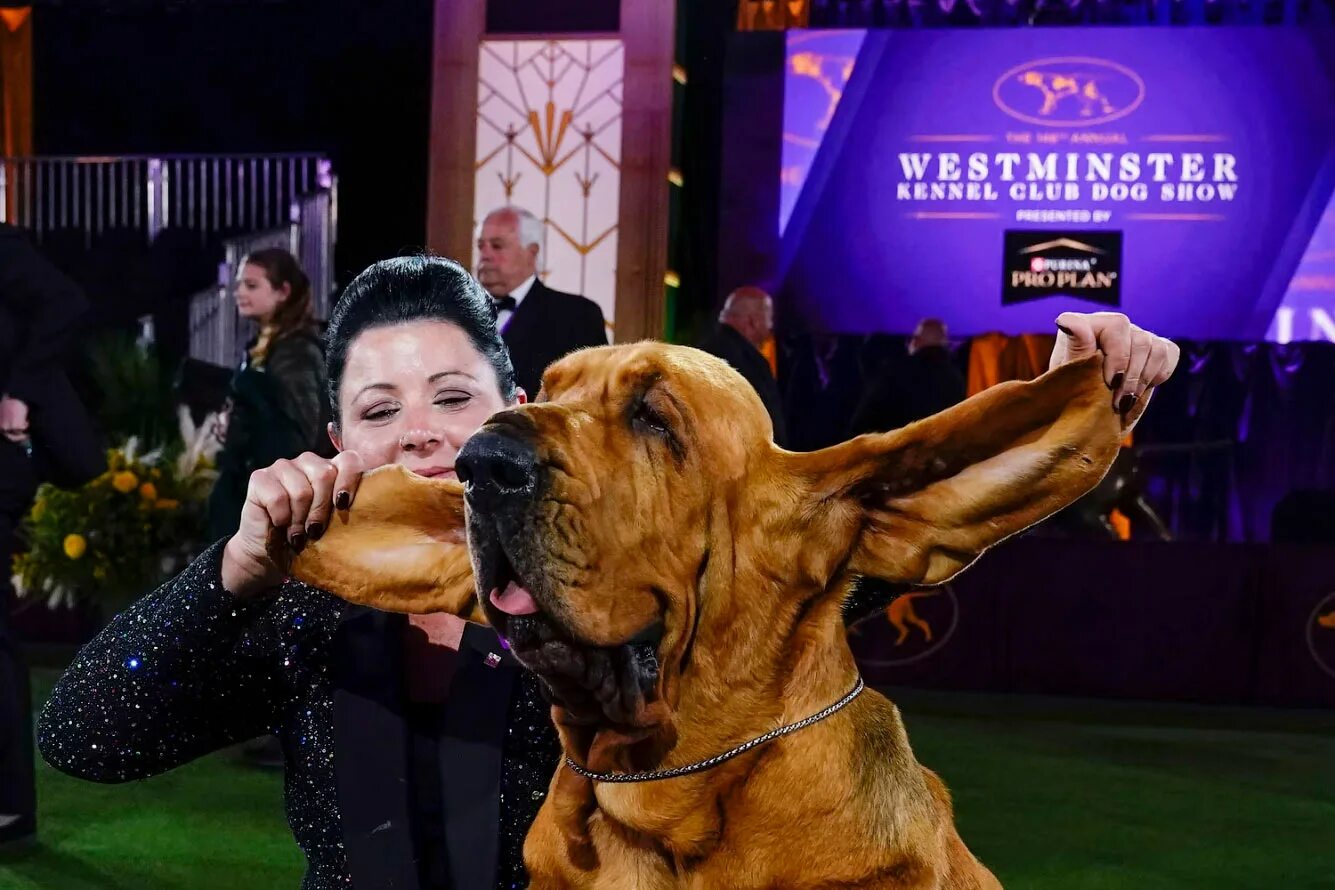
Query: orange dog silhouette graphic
(1327, 620)
(1057, 87)
(903, 616)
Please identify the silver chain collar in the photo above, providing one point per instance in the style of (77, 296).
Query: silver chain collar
(712, 762)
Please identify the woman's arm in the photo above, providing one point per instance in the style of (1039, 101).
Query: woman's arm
(182, 672)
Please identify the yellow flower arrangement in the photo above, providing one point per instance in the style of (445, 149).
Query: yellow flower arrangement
(116, 537)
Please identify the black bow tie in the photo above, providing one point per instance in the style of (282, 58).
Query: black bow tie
(505, 303)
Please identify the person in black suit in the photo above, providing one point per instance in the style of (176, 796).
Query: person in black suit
(921, 385)
(746, 322)
(539, 325)
(45, 434)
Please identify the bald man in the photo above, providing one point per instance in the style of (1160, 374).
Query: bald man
(746, 322)
(921, 385)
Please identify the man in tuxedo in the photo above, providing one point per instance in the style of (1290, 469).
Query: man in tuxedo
(45, 434)
(539, 325)
(746, 322)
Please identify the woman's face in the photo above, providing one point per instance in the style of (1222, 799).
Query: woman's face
(256, 297)
(412, 394)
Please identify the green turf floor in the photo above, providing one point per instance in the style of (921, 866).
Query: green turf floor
(1053, 795)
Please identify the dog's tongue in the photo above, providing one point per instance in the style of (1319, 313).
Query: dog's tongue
(514, 600)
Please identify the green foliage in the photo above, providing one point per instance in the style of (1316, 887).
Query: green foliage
(134, 399)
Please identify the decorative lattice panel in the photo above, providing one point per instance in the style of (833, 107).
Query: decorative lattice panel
(549, 140)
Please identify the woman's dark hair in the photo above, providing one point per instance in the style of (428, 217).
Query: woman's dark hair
(415, 288)
(293, 314)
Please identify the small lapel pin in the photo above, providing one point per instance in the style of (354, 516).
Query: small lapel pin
(492, 659)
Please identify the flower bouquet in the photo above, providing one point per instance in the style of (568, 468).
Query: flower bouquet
(124, 532)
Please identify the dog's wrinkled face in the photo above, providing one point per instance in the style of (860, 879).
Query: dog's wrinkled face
(589, 516)
(640, 507)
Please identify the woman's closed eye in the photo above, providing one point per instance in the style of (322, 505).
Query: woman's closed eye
(380, 412)
(453, 401)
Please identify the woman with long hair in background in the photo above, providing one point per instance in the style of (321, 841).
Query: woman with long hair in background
(277, 406)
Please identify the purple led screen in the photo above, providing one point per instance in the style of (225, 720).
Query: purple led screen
(908, 155)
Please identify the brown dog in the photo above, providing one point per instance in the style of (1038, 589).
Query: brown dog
(677, 581)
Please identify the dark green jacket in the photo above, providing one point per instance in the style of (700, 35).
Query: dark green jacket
(279, 410)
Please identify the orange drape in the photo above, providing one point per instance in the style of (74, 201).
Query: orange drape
(771, 354)
(772, 15)
(15, 91)
(985, 361)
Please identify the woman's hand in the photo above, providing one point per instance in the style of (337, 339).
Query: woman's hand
(1134, 360)
(287, 504)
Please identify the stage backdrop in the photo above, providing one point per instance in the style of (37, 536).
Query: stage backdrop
(996, 178)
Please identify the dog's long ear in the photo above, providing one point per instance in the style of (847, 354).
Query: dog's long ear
(400, 548)
(929, 498)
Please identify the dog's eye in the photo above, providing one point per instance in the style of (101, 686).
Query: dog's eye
(650, 419)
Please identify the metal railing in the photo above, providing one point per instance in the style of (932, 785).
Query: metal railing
(215, 195)
(244, 202)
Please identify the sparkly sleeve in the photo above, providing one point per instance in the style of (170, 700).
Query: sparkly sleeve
(173, 677)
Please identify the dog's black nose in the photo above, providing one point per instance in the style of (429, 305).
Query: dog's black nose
(496, 468)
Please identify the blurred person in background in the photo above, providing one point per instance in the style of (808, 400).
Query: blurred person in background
(45, 435)
(745, 323)
(276, 406)
(923, 384)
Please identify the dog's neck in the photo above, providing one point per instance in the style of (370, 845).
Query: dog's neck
(725, 696)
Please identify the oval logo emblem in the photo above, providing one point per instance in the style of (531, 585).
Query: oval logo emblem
(1069, 92)
(1321, 635)
(913, 627)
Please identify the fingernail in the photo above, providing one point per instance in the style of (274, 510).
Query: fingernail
(1117, 380)
(343, 500)
(1128, 402)
(1065, 330)
(315, 530)
(297, 540)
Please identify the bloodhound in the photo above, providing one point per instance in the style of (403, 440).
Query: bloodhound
(677, 581)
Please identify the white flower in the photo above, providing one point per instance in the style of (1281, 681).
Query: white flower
(16, 582)
(199, 443)
(60, 595)
(129, 448)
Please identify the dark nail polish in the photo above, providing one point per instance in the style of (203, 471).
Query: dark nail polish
(314, 530)
(297, 540)
(1117, 380)
(343, 500)
(1065, 330)
(1128, 402)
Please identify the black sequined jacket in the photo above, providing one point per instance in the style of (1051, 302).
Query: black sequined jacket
(189, 669)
